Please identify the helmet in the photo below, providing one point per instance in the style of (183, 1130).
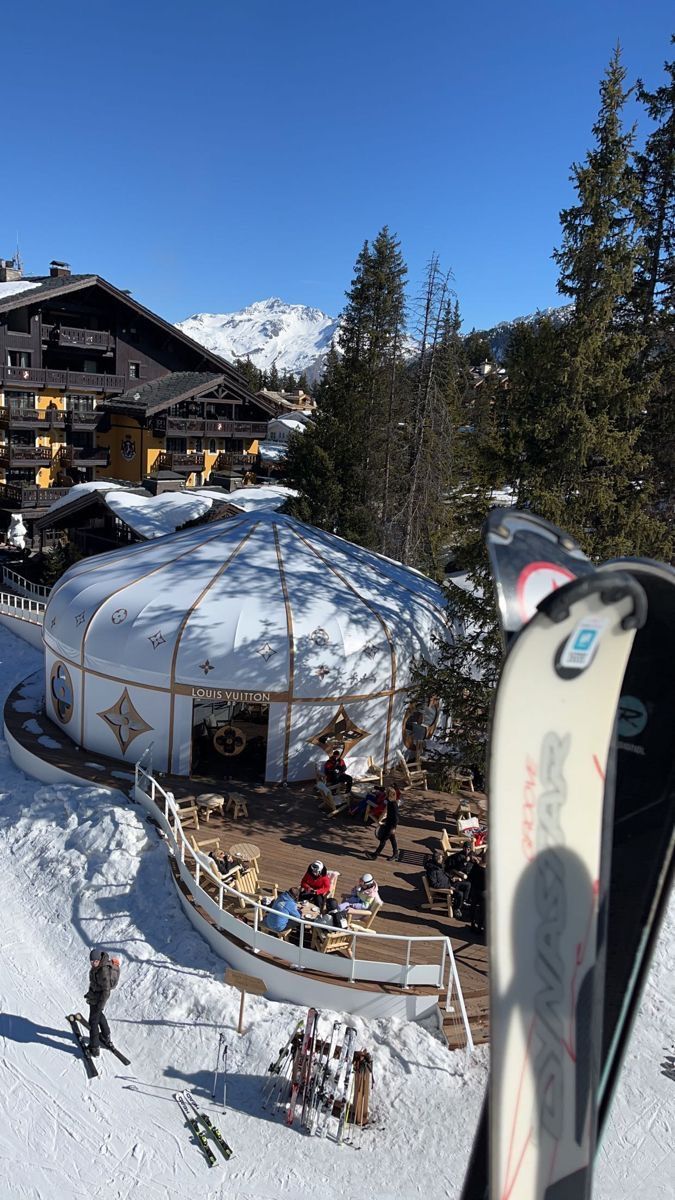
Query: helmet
(367, 879)
(318, 865)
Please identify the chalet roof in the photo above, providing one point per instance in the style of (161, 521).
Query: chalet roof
(62, 285)
(147, 516)
(159, 393)
(43, 286)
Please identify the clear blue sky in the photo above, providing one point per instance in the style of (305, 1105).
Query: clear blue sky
(208, 153)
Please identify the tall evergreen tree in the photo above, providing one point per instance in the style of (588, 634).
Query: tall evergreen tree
(596, 479)
(655, 286)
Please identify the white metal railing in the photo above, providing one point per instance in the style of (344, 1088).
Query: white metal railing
(35, 591)
(193, 865)
(22, 607)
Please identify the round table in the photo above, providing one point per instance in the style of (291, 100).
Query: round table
(309, 911)
(246, 851)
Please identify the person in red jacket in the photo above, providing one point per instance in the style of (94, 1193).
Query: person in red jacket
(335, 770)
(315, 884)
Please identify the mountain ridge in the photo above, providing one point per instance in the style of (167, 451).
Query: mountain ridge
(296, 338)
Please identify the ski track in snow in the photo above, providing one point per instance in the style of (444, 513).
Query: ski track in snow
(81, 866)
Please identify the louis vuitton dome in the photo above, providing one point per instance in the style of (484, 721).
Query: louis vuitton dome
(246, 646)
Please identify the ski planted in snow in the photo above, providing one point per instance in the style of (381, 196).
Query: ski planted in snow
(106, 1046)
(217, 1136)
(552, 746)
(300, 1064)
(194, 1126)
(89, 1063)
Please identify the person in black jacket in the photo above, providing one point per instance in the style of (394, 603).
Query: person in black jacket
(459, 866)
(434, 867)
(387, 831)
(100, 985)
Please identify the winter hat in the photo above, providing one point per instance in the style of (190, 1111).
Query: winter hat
(318, 864)
(94, 955)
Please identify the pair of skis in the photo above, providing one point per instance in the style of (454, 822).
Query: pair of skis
(202, 1127)
(218, 1090)
(584, 643)
(77, 1022)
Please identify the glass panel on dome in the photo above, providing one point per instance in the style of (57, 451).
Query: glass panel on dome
(229, 740)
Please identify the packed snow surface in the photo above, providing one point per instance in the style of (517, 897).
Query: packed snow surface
(82, 866)
(292, 337)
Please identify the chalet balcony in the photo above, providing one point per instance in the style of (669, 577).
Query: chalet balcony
(184, 464)
(25, 497)
(82, 456)
(71, 338)
(85, 381)
(82, 418)
(227, 460)
(24, 456)
(14, 416)
(198, 427)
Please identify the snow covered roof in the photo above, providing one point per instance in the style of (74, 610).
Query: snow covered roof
(265, 497)
(158, 515)
(288, 422)
(259, 599)
(82, 489)
(14, 286)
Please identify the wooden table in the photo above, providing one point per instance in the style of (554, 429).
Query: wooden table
(309, 911)
(209, 802)
(246, 851)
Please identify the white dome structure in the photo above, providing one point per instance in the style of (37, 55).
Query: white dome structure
(257, 639)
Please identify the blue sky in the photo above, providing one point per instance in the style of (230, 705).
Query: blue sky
(206, 154)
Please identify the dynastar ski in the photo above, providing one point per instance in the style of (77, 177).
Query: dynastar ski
(644, 821)
(88, 1060)
(106, 1045)
(192, 1121)
(204, 1117)
(530, 558)
(550, 753)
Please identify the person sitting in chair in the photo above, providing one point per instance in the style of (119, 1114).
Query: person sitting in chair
(434, 869)
(363, 895)
(315, 884)
(332, 915)
(459, 867)
(335, 770)
(281, 909)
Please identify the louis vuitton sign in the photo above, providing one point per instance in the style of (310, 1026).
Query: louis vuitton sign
(227, 696)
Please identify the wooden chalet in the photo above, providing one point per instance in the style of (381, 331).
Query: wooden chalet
(93, 384)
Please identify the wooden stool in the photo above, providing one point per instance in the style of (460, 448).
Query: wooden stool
(236, 804)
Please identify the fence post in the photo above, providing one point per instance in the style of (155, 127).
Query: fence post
(460, 997)
(406, 968)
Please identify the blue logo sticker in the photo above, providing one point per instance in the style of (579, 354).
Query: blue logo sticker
(584, 640)
(633, 717)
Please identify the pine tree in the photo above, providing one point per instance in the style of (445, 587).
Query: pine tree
(596, 478)
(655, 286)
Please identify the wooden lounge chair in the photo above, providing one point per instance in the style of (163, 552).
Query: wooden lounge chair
(330, 805)
(413, 776)
(333, 876)
(189, 815)
(332, 941)
(362, 918)
(438, 899)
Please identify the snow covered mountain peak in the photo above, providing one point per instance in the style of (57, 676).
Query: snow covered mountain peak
(292, 337)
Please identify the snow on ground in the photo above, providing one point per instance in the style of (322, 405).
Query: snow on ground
(82, 866)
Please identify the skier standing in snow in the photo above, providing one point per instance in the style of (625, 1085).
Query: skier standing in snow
(103, 977)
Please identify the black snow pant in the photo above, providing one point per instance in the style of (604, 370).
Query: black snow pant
(386, 835)
(98, 1025)
(462, 888)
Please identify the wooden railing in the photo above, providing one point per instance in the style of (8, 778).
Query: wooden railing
(402, 972)
(84, 339)
(230, 458)
(73, 456)
(24, 456)
(172, 460)
(210, 427)
(26, 496)
(90, 381)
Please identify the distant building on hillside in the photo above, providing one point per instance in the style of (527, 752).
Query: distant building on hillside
(92, 384)
(289, 402)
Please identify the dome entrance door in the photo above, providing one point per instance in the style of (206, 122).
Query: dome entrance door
(229, 740)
